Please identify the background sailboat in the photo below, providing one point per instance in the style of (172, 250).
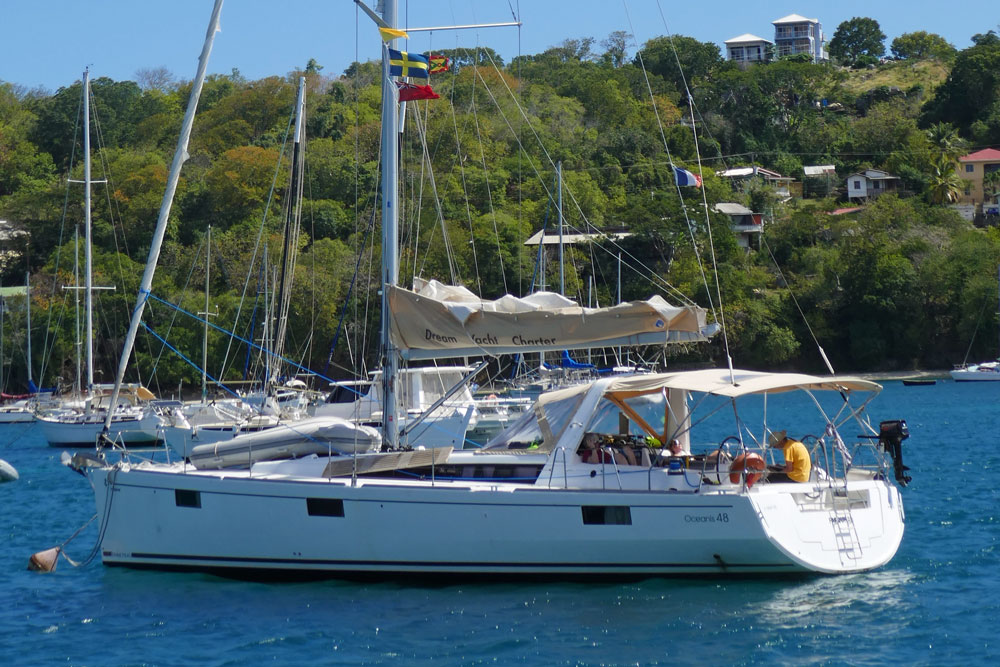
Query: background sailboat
(17, 408)
(132, 422)
(987, 371)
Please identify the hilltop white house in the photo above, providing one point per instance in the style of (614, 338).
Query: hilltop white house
(747, 49)
(796, 34)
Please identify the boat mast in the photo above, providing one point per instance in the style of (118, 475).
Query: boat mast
(390, 224)
(27, 295)
(390, 215)
(88, 277)
(180, 156)
(562, 265)
(291, 230)
(77, 383)
(204, 337)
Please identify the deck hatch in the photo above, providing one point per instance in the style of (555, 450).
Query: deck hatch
(325, 506)
(187, 498)
(614, 515)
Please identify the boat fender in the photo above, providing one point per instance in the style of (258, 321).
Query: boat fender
(746, 462)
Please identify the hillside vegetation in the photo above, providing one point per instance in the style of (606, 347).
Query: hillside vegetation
(901, 284)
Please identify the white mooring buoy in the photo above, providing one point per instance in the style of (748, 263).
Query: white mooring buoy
(7, 472)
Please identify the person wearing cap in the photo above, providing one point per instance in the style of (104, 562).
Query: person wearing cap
(797, 463)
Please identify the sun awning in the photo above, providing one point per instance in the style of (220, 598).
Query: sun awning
(720, 382)
(447, 321)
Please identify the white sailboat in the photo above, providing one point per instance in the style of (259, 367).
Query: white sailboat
(987, 371)
(530, 504)
(131, 422)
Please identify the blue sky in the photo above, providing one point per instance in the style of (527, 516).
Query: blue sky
(47, 43)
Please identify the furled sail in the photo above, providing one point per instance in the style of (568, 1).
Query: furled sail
(437, 320)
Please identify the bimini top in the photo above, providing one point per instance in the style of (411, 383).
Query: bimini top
(438, 320)
(720, 382)
(561, 416)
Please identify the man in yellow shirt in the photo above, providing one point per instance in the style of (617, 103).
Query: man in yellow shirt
(797, 464)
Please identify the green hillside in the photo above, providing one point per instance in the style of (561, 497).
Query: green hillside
(898, 285)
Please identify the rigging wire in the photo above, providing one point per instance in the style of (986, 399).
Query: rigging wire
(802, 314)
(641, 269)
(449, 250)
(260, 235)
(677, 186)
(49, 342)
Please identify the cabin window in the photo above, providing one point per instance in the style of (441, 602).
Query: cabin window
(346, 393)
(969, 168)
(186, 498)
(857, 184)
(325, 506)
(596, 515)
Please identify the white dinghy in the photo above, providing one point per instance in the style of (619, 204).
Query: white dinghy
(318, 435)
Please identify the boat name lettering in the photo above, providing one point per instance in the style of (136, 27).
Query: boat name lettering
(488, 339)
(721, 517)
(521, 340)
(438, 338)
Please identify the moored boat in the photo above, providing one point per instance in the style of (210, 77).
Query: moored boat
(536, 501)
(531, 504)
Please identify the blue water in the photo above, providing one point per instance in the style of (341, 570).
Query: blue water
(935, 603)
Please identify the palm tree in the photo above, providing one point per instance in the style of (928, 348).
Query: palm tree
(991, 184)
(944, 185)
(945, 139)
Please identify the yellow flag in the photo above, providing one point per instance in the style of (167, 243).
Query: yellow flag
(392, 33)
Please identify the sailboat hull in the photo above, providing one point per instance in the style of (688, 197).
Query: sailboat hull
(981, 373)
(83, 430)
(174, 518)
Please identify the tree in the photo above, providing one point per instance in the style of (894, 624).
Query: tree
(947, 141)
(616, 48)
(971, 91)
(154, 78)
(860, 36)
(698, 60)
(991, 184)
(944, 185)
(921, 44)
(988, 38)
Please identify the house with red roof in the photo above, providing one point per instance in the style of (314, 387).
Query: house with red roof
(973, 168)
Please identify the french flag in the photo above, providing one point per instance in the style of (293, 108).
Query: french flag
(685, 177)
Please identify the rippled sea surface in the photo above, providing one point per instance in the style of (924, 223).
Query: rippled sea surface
(937, 602)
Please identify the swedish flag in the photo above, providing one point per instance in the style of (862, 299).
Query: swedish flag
(402, 63)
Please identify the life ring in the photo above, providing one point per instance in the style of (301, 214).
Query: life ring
(745, 462)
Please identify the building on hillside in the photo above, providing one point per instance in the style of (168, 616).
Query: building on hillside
(871, 183)
(795, 34)
(748, 49)
(746, 224)
(819, 180)
(974, 168)
(740, 175)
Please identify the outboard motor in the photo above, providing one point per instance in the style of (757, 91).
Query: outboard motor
(891, 435)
